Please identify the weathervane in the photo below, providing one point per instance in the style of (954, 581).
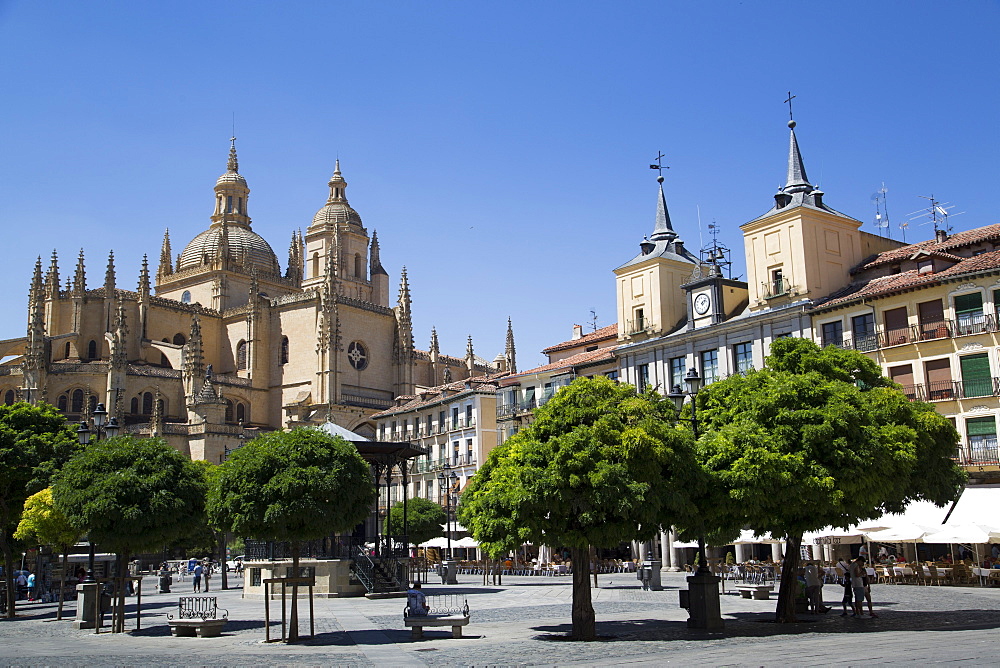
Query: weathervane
(659, 166)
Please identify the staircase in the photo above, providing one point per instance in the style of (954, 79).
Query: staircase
(379, 575)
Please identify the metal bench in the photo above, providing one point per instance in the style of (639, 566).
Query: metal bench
(445, 610)
(197, 616)
(757, 591)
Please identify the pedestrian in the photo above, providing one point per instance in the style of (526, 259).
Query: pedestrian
(22, 584)
(31, 586)
(845, 581)
(814, 588)
(867, 581)
(858, 574)
(208, 573)
(198, 570)
(416, 602)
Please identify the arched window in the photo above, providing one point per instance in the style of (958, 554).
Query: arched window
(179, 340)
(77, 401)
(8, 397)
(92, 350)
(147, 403)
(241, 413)
(67, 350)
(186, 297)
(284, 350)
(315, 271)
(61, 405)
(359, 266)
(241, 355)
(134, 408)
(229, 411)
(92, 401)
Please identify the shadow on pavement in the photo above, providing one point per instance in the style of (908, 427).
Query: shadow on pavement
(759, 625)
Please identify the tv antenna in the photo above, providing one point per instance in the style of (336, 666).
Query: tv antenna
(937, 213)
(716, 254)
(593, 320)
(881, 211)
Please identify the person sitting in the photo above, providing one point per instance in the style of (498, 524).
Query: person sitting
(416, 601)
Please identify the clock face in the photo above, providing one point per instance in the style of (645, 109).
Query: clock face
(701, 304)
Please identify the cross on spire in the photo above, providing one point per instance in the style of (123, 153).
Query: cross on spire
(789, 103)
(659, 166)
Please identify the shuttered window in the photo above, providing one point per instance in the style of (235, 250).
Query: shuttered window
(969, 303)
(938, 373)
(897, 330)
(977, 381)
(969, 314)
(903, 375)
(984, 426)
(932, 325)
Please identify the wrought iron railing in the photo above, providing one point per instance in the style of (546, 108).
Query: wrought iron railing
(331, 547)
(983, 452)
(775, 288)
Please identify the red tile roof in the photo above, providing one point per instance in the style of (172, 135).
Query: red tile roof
(908, 280)
(602, 334)
(580, 359)
(483, 384)
(939, 248)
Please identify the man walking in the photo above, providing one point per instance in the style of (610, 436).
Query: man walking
(198, 570)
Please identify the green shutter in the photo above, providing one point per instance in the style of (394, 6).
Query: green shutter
(969, 303)
(984, 426)
(976, 377)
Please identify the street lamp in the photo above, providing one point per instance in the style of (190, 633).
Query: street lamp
(447, 483)
(102, 427)
(703, 587)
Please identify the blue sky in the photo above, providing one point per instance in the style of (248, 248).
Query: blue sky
(500, 149)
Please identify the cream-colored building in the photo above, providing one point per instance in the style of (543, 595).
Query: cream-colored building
(219, 342)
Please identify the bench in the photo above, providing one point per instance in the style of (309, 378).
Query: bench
(197, 616)
(759, 592)
(445, 610)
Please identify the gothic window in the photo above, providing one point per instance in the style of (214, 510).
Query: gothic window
(229, 203)
(229, 411)
(92, 402)
(62, 403)
(359, 266)
(284, 350)
(77, 401)
(67, 350)
(147, 403)
(186, 297)
(241, 355)
(315, 263)
(92, 350)
(357, 355)
(134, 408)
(8, 397)
(179, 340)
(241, 413)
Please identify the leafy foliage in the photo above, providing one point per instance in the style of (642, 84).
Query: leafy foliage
(423, 520)
(34, 442)
(816, 438)
(131, 494)
(43, 524)
(291, 486)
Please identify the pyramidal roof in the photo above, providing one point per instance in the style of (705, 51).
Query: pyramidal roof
(664, 242)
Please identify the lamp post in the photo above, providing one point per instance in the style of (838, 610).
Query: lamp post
(103, 427)
(703, 587)
(447, 482)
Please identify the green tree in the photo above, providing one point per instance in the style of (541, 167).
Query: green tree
(42, 524)
(292, 486)
(423, 520)
(599, 465)
(130, 495)
(817, 438)
(34, 442)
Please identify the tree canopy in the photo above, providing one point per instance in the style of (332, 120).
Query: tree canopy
(599, 465)
(816, 438)
(292, 486)
(423, 520)
(34, 442)
(42, 523)
(130, 494)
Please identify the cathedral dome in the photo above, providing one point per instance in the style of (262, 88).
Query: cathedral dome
(246, 248)
(336, 212)
(232, 177)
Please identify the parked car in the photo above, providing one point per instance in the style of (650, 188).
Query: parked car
(234, 563)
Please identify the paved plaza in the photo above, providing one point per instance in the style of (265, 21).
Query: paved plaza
(522, 623)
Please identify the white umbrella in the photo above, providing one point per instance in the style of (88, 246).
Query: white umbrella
(902, 533)
(747, 537)
(436, 542)
(467, 542)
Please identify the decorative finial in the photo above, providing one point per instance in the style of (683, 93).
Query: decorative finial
(233, 165)
(791, 121)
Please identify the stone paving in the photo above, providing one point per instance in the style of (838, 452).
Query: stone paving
(523, 623)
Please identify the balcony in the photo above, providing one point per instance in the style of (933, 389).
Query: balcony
(639, 326)
(778, 287)
(981, 452)
(946, 390)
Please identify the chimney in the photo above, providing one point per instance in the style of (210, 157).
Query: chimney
(940, 235)
(577, 332)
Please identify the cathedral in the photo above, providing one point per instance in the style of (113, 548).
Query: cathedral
(220, 344)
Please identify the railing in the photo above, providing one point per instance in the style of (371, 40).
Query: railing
(639, 326)
(365, 402)
(978, 323)
(775, 288)
(979, 453)
(380, 574)
(897, 337)
(937, 329)
(331, 547)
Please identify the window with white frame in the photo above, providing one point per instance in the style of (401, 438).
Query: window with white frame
(743, 357)
(709, 366)
(677, 370)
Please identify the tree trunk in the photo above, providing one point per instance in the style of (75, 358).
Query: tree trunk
(789, 580)
(583, 610)
(293, 628)
(223, 560)
(8, 571)
(62, 581)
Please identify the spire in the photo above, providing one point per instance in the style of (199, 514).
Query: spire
(404, 294)
(144, 278)
(79, 277)
(375, 263)
(663, 229)
(509, 353)
(35, 294)
(338, 186)
(403, 317)
(52, 278)
(109, 277)
(119, 339)
(233, 165)
(193, 358)
(165, 268)
(470, 356)
(435, 349)
(797, 180)
(294, 269)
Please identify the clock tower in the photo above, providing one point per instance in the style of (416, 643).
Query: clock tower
(711, 297)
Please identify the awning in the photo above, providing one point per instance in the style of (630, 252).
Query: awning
(833, 536)
(748, 537)
(977, 505)
(966, 533)
(901, 533)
